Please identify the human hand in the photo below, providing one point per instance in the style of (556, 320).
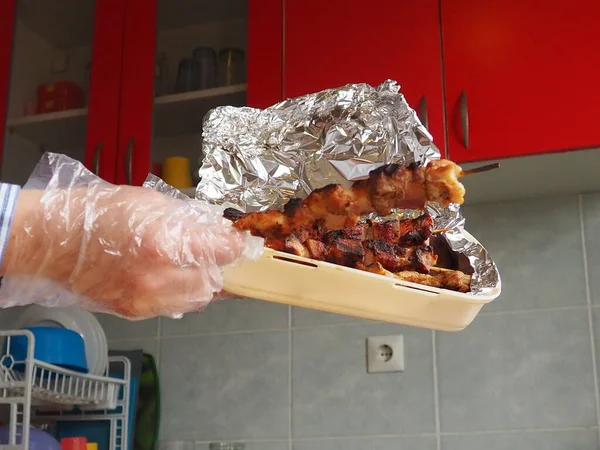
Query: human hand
(122, 249)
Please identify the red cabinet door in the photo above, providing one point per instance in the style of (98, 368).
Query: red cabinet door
(41, 46)
(137, 96)
(105, 89)
(521, 77)
(265, 52)
(7, 26)
(167, 88)
(335, 42)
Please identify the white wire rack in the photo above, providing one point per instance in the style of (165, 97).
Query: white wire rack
(57, 394)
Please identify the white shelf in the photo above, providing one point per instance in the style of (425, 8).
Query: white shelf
(57, 131)
(53, 385)
(183, 113)
(174, 115)
(47, 384)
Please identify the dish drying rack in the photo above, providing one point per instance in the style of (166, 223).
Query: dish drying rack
(40, 391)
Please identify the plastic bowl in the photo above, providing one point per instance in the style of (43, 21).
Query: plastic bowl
(38, 439)
(59, 346)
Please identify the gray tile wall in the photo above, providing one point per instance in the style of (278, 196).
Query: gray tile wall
(522, 376)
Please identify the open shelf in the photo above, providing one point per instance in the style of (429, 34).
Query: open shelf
(183, 113)
(57, 131)
(174, 115)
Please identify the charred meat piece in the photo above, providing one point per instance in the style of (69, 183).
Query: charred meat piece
(356, 232)
(453, 280)
(316, 249)
(264, 224)
(295, 247)
(290, 244)
(233, 214)
(395, 258)
(315, 231)
(345, 252)
(405, 232)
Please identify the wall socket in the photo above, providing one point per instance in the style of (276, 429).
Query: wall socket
(385, 354)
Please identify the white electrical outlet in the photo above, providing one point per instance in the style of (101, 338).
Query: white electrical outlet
(385, 354)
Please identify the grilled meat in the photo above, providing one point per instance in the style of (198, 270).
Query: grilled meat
(453, 280)
(327, 225)
(350, 252)
(395, 258)
(335, 207)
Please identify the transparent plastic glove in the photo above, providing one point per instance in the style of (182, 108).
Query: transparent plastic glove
(130, 251)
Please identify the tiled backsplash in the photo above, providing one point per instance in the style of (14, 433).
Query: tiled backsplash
(521, 377)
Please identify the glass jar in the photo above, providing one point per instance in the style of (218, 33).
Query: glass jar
(232, 67)
(161, 77)
(188, 76)
(207, 57)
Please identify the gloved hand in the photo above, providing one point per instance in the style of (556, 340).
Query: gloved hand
(125, 250)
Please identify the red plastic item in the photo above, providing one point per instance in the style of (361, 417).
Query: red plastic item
(73, 443)
(59, 96)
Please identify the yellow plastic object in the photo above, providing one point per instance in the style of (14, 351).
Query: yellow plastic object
(91, 446)
(293, 280)
(176, 172)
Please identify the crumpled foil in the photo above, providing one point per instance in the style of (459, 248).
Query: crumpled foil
(259, 159)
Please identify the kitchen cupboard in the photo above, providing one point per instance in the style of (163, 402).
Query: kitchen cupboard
(163, 117)
(124, 55)
(332, 43)
(521, 77)
(48, 45)
(265, 46)
(490, 79)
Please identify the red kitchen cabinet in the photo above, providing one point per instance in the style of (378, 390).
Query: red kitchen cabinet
(332, 43)
(265, 52)
(126, 57)
(163, 101)
(7, 25)
(105, 92)
(521, 77)
(40, 45)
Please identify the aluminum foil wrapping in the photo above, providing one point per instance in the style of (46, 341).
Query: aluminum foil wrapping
(258, 159)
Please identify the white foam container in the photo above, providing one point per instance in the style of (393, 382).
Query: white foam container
(283, 278)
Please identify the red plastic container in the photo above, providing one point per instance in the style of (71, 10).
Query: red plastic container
(73, 443)
(59, 96)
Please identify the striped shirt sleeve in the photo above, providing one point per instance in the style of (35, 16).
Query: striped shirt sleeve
(8, 202)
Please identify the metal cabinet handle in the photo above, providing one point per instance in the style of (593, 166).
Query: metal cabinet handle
(464, 118)
(96, 165)
(128, 161)
(423, 112)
